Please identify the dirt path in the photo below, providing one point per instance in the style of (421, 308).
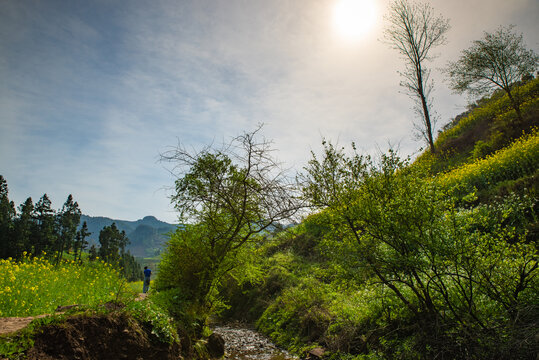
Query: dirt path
(12, 324)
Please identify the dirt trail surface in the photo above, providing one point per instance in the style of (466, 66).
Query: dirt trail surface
(12, 324)
(246, 344)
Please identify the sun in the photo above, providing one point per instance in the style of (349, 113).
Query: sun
(353, 19)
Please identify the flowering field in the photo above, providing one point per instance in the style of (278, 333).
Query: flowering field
(499, 109)
(518, 160)
(34, 286)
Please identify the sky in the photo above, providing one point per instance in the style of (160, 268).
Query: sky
(93, 91)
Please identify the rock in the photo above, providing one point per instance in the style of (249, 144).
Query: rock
(316, 353)
(216, 345)
(64, 308)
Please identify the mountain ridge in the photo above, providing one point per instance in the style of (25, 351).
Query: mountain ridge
(147, 236)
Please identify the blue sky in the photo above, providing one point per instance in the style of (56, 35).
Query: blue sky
(92, 92)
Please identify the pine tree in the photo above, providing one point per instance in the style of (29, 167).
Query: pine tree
(131, 268)
(81, 243)
(7, 216)
(68, 220)
(92, 253)
(46, 235)
(113, 243)
(25, 228)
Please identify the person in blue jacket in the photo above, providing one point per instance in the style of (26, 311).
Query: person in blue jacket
(147, 274)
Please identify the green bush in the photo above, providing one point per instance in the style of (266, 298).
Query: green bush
(154, 318)
(298, 316)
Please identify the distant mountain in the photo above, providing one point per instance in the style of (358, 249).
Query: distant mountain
(147, 236)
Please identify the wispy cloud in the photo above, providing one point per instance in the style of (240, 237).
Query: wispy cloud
(92, 92)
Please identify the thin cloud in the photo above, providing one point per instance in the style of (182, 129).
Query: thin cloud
(92, 92)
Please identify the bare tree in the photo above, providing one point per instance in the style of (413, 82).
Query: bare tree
(229, 194)
(414, 30)
(240, 180)
(496, 61)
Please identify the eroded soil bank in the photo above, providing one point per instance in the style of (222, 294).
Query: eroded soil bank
(94, 337)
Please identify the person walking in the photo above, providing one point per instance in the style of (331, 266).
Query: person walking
(147, 274)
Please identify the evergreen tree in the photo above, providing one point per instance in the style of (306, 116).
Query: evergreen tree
(92, 253)
(68, 220)
(46, 235)
(80, 242)
(7, 216)
(130, 267)
(25, 229)
(112, 250)
(113, 243)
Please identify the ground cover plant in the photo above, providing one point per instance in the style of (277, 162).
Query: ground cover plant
(490, 125)
(518, 160)
(34, 286)
(427, 278)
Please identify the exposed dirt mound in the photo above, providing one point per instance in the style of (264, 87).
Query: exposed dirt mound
(96, 337)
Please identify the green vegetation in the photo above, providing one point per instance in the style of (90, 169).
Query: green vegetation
(489, 126)
(232, 196)
(435, 258)
(42, 232)
(397, 266)
(431, 259)
(517, 161)
(35, 286)
(141, 324)
(499, 60)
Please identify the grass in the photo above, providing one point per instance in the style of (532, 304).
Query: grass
(519, 160)
(135, 286)
(34, 286)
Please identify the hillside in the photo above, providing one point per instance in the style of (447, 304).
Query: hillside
(147, 236)
(434, 259)
(489, 125)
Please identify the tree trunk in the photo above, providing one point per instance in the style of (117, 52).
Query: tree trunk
(515, 105)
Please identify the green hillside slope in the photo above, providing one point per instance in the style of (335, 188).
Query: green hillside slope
(435, 259)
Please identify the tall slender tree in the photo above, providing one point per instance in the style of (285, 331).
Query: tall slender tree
(25, 228)
(7, 216)
(46, 235)
(414, 30)
(80, 242)
(68, 220)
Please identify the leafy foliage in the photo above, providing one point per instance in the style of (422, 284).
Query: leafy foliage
(155, 318)
(428, 278)
(498, 60)
(490, 125)
(518, 160)
(231, 196)
(34, 286)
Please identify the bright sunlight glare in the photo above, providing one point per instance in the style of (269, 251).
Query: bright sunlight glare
(352, 19)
